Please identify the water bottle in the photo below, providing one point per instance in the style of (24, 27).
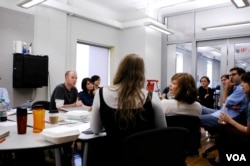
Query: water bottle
(224, 110)
(3, 111)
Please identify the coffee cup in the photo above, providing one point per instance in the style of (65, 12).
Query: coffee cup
(53, 116)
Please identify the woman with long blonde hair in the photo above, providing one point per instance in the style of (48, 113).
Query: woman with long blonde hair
(125, 107)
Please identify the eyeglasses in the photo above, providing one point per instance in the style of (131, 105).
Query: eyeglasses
(233, 74)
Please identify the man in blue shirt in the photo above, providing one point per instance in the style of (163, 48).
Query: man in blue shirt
(235, 102)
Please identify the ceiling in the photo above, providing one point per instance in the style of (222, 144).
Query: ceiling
(129, 5)
(132, 5)
(116, 13)
(120, 13)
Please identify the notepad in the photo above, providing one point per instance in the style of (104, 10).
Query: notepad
(4, 133)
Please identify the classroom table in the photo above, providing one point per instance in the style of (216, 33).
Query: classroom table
(32, 140)
(16, 142)
(85, 138)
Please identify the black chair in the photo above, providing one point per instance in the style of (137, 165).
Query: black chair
(157, 147)
(192, 123)
(45, 104)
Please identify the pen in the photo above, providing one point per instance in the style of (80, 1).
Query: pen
(2, 139)
(64, 123)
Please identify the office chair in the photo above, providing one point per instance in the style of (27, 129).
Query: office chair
(45, 104)
(156, 147)
(192, 123)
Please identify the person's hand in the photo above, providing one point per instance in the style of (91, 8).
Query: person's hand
(206, 95)
(79, 103)
(229, 84)
(224, 118)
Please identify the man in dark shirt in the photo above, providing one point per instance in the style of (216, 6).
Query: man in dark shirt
(67, 92)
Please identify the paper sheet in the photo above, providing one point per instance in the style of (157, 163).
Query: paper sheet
(8, 123)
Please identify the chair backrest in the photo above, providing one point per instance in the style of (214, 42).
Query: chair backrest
(156, 147)
(45, 104)
(192, 123)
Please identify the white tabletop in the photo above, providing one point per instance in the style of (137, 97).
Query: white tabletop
(23, 141)
(32, 140)
(36, 140)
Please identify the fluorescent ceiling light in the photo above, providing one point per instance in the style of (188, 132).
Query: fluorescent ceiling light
(166, 3)
(223, 26)
(240, 3)
(30, 3)
(158, 26)
(156, 4)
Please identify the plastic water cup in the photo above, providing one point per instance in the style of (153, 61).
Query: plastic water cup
(59, 103)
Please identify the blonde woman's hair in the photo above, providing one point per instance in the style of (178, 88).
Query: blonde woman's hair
(131, 79)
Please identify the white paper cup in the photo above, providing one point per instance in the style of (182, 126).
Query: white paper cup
(59, 103)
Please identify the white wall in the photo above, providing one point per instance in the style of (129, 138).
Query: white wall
(51, 39)
(14, 26)
(153, 55)
(147, 43)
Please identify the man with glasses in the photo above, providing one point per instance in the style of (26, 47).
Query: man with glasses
(235, 102)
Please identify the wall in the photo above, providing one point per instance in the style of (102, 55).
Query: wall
(51, 38)
(153, 55)
(14, 26)
(147, 43)
(55, 34)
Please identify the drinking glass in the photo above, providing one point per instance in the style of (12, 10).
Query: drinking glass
(59, 103)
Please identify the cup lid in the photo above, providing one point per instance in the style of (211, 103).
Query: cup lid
(53, 111)
(38, 106)
(21, 111)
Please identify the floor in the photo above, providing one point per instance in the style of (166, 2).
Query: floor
(206, 142)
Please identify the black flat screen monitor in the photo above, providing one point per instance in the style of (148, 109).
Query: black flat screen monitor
(30, 71)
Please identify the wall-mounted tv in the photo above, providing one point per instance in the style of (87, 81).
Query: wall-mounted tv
(30, 71)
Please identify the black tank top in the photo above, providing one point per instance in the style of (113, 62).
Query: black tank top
(144, 120)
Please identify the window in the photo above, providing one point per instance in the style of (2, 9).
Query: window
(92, 60)
(179, 62)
